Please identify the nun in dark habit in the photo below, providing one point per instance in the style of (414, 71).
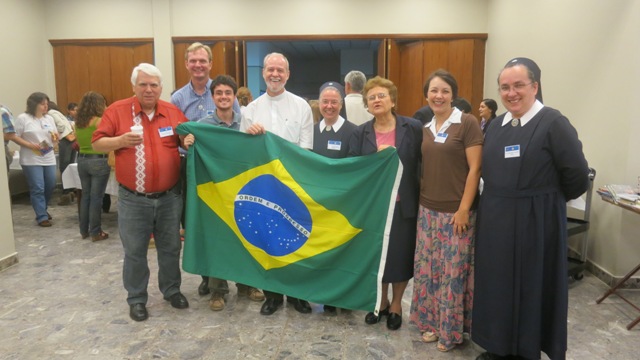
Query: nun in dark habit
(532, 164)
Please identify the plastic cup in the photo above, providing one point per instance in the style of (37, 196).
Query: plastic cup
(136, 129)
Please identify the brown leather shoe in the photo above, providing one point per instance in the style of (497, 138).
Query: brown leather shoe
(216, 303)
(255, 294)
(45, 223)
(101, 236)
(249, 291)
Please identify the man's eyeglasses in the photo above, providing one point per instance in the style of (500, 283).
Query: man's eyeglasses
(516, 87)
(379, 96)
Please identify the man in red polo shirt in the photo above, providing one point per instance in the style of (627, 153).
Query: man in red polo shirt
(141, 130)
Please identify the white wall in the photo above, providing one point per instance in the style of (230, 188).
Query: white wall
(294, 17)
(162, 19)
(588, 51)
(22, 40)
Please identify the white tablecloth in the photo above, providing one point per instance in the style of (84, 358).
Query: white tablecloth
(71, 179)
(15, 164)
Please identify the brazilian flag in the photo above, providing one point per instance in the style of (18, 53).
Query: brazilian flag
(263, 212)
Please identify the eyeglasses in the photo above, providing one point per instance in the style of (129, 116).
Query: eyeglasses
(516, 87)
(379, 96)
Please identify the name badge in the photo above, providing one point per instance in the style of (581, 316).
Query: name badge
(165, 131)
(441, 137)
(334, 145)
(210, 112)
(512, 151)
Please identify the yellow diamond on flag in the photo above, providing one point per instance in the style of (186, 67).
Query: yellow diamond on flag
(274, 217)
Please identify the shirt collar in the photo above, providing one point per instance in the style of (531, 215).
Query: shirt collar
(160, 109)
(454, 118)
(537, 106)
(277, 97)
(336, 127)
(235, 120)
(207, 88)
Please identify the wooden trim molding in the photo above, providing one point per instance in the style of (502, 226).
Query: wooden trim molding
(132, 41)
(400, 37)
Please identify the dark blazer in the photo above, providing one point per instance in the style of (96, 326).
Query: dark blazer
(408, 144)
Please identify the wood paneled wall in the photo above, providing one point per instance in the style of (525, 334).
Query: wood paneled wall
(463, 58)
(98, 65)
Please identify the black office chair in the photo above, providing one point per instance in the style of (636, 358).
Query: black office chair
(581, 226)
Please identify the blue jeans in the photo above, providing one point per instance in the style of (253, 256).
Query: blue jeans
(138, 219)
(94, 175)
(42, 182)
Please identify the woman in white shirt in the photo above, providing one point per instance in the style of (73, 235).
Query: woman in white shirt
(37, 135)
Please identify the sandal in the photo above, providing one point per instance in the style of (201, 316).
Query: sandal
(429, 337)
(101, 236)
(442, 348)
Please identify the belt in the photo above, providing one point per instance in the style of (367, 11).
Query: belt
(94, 156)
(155, 195)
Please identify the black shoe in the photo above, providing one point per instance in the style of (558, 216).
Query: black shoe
(138, 312)
(270, 306)
(203, 288)
(330, 309)
(301, 306)
(178, 301)
(394, 321)
(371, 318)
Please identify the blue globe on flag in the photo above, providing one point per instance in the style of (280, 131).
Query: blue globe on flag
(271, 216)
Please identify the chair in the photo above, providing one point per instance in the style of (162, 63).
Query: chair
(581, 226)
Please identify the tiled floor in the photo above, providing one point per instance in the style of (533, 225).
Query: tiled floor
(65, 300)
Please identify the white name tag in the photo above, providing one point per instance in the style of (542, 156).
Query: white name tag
(210, 112)
(512, 151)
(334, 145)
(165, 131)
(441, 138)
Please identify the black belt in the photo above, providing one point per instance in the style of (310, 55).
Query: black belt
(155, 195)
(94, 156)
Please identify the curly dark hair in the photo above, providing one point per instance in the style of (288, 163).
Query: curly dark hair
(92, 105)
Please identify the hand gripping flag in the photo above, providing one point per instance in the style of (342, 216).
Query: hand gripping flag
(263, 212)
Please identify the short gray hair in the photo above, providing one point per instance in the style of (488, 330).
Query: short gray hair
(147, 69)
(264, 63)
(356, 79)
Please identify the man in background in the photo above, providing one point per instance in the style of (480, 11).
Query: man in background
(353, 84)
(8, 132)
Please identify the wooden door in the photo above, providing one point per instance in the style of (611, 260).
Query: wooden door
(103, 66)
(463, 58)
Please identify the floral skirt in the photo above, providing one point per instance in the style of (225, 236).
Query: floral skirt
(443, 277)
